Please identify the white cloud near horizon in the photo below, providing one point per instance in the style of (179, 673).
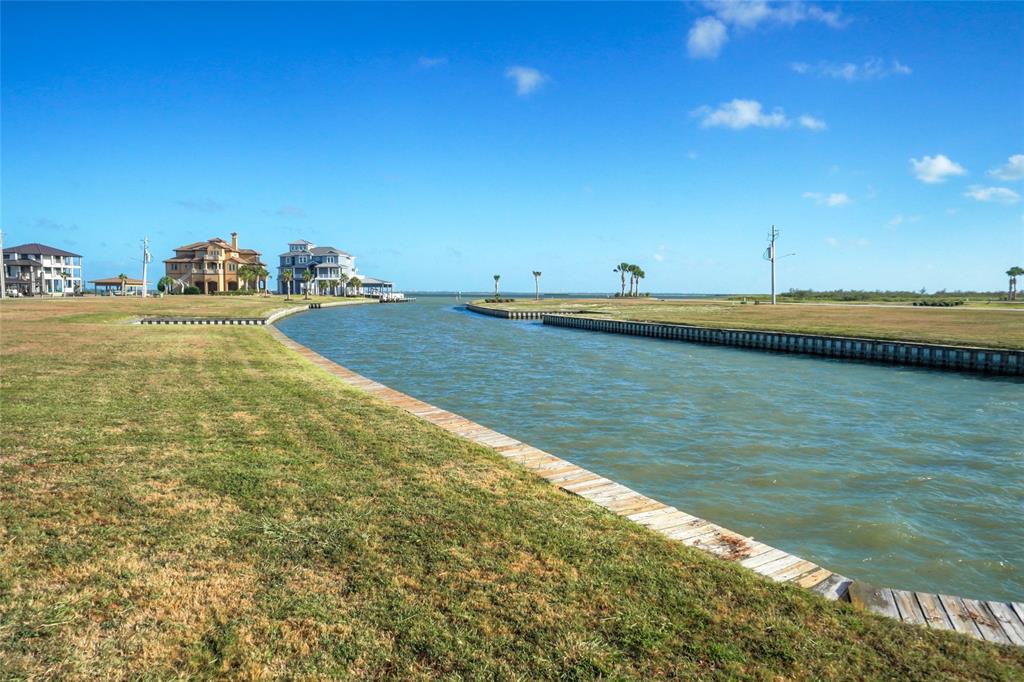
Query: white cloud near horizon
(873, 68)
(738, 114)
(710, 33)
(831, 200)
(999, 195)
(1013, 169)
(527, 79)
(935, 169)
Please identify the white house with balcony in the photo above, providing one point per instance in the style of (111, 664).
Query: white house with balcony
(37, 269)
(331, 270)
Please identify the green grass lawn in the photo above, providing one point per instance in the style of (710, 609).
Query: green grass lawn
(997, 327)
(199, 501)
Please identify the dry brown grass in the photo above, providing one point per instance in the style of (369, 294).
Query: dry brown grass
(995, 327)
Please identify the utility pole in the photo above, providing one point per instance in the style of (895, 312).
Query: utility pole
(769, 255)
(146, 257)
(3, 268)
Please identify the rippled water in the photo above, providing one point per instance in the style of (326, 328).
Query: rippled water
(903, 477)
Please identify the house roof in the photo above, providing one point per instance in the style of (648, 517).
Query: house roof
(366, 279)
(23, 261)
(324, 250)
(130, 281)
(301, 241)
(41, 249)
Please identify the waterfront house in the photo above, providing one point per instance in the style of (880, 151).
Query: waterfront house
(328, 266)
(212, 266)
(33, 269)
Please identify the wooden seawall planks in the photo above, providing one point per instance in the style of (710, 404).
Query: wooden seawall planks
(935, 356)
(992, 621)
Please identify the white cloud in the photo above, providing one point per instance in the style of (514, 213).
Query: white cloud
(812, 123)
(431, 62)
(1012, 170)
(873, 68)
(706, 38)
(738, 114)
(527, 79)
(745, 113)
(938, 168)
(709, 34)
(999, 195)
(899, 219)
(831, 200)
(832, 241)
(749, 14)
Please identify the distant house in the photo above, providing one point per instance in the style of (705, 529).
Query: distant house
(33, 269)
(113, 286)
(212, 266)
(332, 267)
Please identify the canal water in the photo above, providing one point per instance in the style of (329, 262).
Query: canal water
(902, 477)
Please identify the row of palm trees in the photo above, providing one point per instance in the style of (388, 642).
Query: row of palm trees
(536, 284)
(635, 272)
(1013, 273)
(344, 283)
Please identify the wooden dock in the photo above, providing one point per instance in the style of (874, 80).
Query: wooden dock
(999, 622)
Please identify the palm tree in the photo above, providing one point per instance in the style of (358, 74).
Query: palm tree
(259, 273)
(166, 283)
(1014, 272)
(640, 274)
(124, 283)
(343, 282)
(622, 270)
(497, 278)
(632, 270)
(536, 283)
(307, 277)
(287, 276)
(355, 283)
(245, 273)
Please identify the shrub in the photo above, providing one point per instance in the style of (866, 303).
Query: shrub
(191, 291)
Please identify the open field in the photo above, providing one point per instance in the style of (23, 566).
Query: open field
(111, 308)
(996, 327)
(199, 501)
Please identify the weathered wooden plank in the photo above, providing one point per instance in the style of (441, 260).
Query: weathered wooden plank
(642, 516)
(763, 558)
(813, 578)
(667, 521)
(1013, 626)
(985, 621)
(780, 563)
(691, 529)
(910, 610)
(934, 612)
(794, 571)
(835, 587)
(876, 599)
(959, 616)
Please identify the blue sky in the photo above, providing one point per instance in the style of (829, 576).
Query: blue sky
(443, 143)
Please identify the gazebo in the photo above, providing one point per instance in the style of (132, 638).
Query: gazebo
(371, 286)
(112, 286)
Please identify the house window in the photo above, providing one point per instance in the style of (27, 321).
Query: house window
(174, 266)
(232, 266)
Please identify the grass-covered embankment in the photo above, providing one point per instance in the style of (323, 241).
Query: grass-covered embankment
(988, 327)
(201, 501)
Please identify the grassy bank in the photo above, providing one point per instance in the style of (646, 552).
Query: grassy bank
(996, 327)
(110, 308)
(200, 501)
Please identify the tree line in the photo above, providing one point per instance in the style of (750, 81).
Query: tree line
(635, 273)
